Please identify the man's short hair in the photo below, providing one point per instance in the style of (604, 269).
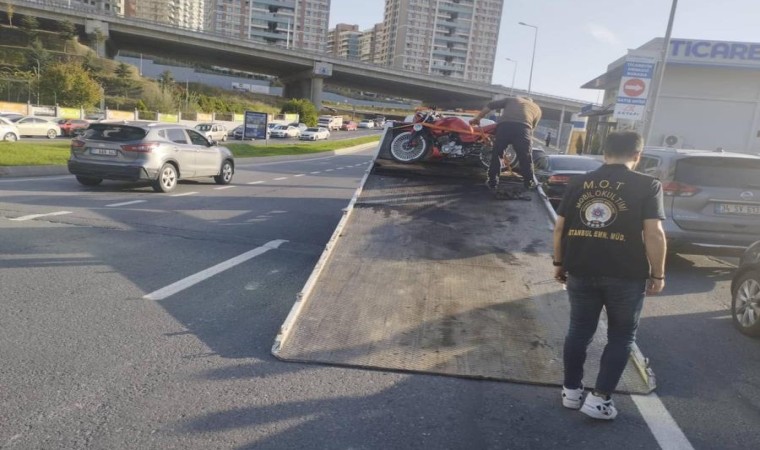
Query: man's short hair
(622, 144)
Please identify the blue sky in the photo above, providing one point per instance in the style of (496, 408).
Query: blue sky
(578, 38)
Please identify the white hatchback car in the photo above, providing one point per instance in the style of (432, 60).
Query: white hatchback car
(366, 124)
(37, 126)
(213, 131)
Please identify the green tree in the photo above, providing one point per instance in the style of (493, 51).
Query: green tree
(123, 71)
(31, 26)
(305, 109)
(166, 80)
(72, 85)
(37, 57)
(67, 30)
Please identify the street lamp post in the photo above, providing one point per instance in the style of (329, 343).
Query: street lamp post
(514, 72)
(533, 58)
(649, 120)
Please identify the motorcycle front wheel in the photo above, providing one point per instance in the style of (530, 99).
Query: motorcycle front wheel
(405, 151)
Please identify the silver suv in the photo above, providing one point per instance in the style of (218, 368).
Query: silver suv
(159, 153)
(712, 198)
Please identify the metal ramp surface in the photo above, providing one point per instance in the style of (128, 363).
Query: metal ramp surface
(427, 273)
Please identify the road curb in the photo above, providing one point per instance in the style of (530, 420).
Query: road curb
(52, 170)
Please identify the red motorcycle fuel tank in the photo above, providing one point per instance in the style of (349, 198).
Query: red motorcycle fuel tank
(456, 125)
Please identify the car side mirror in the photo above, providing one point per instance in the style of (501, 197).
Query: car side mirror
(212, 143)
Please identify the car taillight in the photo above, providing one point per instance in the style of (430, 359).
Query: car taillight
(677, 189)
(145, 147)
(558, 179)
(76, 143)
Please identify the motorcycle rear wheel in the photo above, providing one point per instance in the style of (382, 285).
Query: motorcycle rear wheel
(402, 151)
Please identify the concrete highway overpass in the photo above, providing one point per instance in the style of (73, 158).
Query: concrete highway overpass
(298, 70)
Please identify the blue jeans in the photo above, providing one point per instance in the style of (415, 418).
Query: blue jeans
(623, 300)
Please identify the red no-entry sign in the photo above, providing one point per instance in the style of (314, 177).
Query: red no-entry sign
(634, 87)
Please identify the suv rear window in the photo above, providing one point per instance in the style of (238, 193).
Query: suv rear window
(719, 172)
(114, 132)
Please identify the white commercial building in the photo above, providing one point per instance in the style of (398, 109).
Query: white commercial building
(709, 97)
(453, 38)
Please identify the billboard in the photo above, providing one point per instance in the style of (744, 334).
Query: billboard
(634, 87)
(255, 125)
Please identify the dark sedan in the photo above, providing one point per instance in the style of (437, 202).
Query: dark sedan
(554, 172)
(745, 292)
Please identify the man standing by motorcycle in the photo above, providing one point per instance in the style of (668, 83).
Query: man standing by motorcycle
(515, 125)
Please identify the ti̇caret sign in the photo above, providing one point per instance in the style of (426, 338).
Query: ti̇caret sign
(714, 53)
(634, 87)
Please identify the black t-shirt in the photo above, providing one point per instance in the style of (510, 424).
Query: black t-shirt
(604, 215)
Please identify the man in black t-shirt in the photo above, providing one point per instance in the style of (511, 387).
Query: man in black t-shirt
(609, 247)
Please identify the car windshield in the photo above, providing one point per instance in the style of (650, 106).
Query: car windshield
(114, 132)
(203, 127)
(5, 121)
(741, 173)
(312, 129)
(573, 164)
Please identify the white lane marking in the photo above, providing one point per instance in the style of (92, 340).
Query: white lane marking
(286, 161)
(255, 182)
(316, 172)
(133, 202)
(192, 280)
(16, 180)
(184, 194)
(328, 170)
(299, 175)
(280, 178)
(35, 216)
(661, 423)
(339, 168)
(223, 188)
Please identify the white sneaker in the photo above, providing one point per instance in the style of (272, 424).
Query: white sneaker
(572, 398)
(599, 408)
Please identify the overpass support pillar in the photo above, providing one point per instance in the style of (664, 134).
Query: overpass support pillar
(98, 31)
(308, 84)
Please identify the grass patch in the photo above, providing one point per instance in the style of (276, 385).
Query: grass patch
(57, 152)
(297, 147)
(34, 153)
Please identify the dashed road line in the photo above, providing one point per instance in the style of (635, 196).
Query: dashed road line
(315, 172)
(36, 216)
(133, 202)
(255, 182)
(328, 170)
(221, 188)
(299, 175)
(194, 279)
(185, 194)
(280, 178)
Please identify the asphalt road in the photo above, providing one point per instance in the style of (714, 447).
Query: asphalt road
(89, 362)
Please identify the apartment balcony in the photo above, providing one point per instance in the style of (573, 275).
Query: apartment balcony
(453, 7)
(264, 18)
(455, 39)
(454, 53)
(268, 35)
(287, 4)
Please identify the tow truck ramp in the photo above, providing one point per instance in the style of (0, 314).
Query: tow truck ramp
(428, 273)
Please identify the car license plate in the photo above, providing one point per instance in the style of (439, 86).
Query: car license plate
(103, 151)
(737, 208)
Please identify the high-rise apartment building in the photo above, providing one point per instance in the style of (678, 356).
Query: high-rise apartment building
(453, 38)
(289, 23)
(343, 41)
(178, 13)
(369, 44)
(108, 6)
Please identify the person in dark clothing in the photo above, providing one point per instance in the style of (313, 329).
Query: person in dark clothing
(548, 138)
(515, 126)
(609, 249)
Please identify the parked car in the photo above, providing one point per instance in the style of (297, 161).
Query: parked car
(8, 130)
(213, 131)
(313, 134)
(11, 116)
(366, 124)
(70, 127)
(745, 292)
(379, 121)
(237, 132)
(712, 199)
(349, 126)
(286, 131)
(37, 126)
(301, 126)
(554, 172)
(159, 153)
